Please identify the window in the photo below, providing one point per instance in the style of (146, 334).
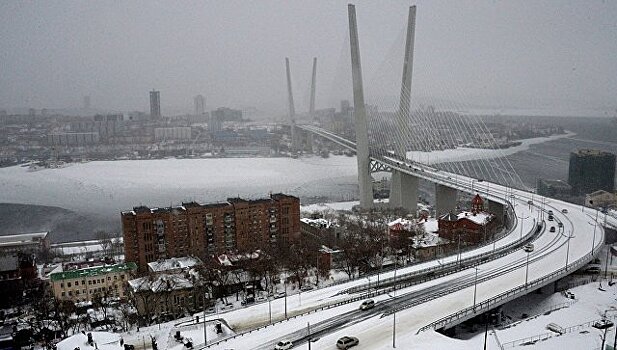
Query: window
(121, 276)
(90, 282)
(61, 285)
(109, 278)
(76, 283)
(62, 294)
(115, 277)
(70, 293)
(68, 284)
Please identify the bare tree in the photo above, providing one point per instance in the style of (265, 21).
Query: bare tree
(105, 239)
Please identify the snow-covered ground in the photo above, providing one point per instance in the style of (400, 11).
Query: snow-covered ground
(464, 153)
(108, 187)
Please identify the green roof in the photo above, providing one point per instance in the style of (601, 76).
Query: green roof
(92, 271)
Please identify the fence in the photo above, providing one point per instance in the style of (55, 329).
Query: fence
(544, 336)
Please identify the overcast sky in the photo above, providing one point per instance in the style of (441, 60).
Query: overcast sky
(497, 54)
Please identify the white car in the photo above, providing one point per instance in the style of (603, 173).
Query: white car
(284, 345)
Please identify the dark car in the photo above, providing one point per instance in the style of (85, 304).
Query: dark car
(347, 342)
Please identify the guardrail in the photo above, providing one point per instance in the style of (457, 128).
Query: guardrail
(510, 294)
(543, 336)
(321, 308)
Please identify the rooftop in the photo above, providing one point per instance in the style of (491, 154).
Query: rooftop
(173, 263)
(93, 271)
(23, 238)
(592, 152)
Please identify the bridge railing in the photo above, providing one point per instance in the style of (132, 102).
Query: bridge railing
(540, 337)
(510, 294)
(460, 265)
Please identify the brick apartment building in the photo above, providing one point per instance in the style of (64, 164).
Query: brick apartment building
(204, 230)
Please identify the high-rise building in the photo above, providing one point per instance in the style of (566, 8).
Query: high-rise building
(591, 170)
(155, 104)
(203, 230)
(200, 104)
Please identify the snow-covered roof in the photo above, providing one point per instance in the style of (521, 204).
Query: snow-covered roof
(480, 218)
(23, 238)
(159, 283)
(428, 239)
(328, 250)
(402, 223)
(430, 225)
(323, 223)
(102, 340)
(174, 263)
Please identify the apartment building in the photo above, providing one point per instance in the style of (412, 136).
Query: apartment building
(204, 230)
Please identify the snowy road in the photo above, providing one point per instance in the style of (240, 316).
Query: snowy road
(422, 304)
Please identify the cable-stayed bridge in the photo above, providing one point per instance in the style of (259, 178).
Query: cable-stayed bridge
(440, 293)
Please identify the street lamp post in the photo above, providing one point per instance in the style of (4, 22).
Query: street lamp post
(285, 286)
(528, 249)
(458, 254)
(522, 218)
(205, 328)
(568, 250)
(270, 308)
(595, 224)
(475, 287)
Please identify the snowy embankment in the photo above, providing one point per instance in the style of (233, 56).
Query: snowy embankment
(465, 154)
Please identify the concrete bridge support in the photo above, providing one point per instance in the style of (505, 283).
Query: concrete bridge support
(445, 199)
(362, 151)
(292, 109)
(404, 192)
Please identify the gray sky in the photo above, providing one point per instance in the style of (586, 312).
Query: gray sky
(497, 54)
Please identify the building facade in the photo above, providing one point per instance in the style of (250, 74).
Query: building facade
(155, 104)
(204, 230)
(200, 105)
(84, 284)
(591, 170)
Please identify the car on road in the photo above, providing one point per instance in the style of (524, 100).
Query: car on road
(560, 224)
(278, 295)
(367, 304)
(249, 300)
(347, 342)
(306, 288)
(552, 229)
(550, 218)
(550, 212)
(565, 211)
(555, 328)
(528, 248)
(284, 345)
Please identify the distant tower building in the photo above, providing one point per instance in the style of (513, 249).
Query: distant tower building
(200, 105)
(155, 104)
(86, 102)
(591, 170)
